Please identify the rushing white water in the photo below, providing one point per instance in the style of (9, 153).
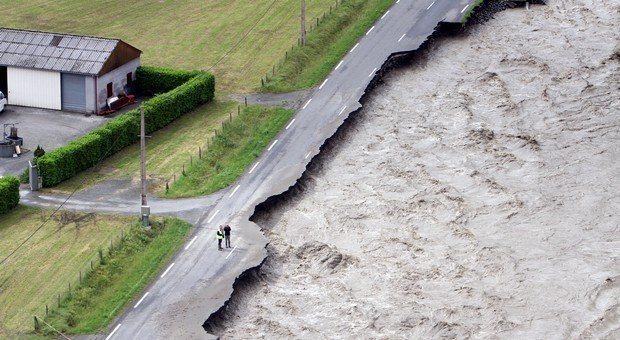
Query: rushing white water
(477, 195)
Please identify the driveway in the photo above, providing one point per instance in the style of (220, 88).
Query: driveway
(48, 128)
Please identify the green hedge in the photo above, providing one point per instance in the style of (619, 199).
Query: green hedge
(154, 80)
(9, 193)
(90, 149)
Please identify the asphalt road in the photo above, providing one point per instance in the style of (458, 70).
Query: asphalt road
(199, 279)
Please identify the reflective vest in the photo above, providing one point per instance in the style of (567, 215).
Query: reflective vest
(220, 235)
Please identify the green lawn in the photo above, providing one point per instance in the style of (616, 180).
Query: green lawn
(167, 150)
(232, 151)
(50, 261)
(124, 272)
(327, 45)
(189, 34)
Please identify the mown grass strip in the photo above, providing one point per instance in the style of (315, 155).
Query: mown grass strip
(471, 10)
(307, 66)
(232, 151)
(124, 272)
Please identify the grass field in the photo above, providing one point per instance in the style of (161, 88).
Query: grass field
(54, 256)
(125, 271)
(325, 47)
(167, 150)
(232, 151)
(191, 34)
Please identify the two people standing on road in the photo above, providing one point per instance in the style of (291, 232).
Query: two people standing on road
(223, 233)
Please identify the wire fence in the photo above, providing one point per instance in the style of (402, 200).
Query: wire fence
(202, 149)
(314, 24)
(59, 299)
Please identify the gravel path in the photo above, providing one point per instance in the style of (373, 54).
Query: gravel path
(475, 195)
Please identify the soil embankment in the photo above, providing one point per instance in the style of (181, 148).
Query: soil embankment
(475, 195)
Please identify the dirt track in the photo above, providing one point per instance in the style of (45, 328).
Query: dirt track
(476, 195)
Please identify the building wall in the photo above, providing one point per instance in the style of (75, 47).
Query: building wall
(118, 78)
(36, 88)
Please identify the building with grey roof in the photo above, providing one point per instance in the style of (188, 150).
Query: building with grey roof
(63, 71)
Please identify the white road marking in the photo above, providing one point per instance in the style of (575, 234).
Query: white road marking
(341, 111)
(272, 145)
(307, 155)
(213, 216)
(340, 63)
(429, 7)
(323, 84)
(190, 243)
(397, 1)
(114, 331)
(373, 72)
(254, 167)
(308, 102)
(231, 252)
(139, 302)
(354, 47)
(464, 8)
(289, 124)
(234, 191)
(386, 13)
(401, 38)
(370, 30)
(167, 270)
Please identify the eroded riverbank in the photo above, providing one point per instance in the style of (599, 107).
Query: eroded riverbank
(475, 195)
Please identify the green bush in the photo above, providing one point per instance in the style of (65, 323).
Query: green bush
(9, 193)
(90, 149)
(154, 80)
(24, 177)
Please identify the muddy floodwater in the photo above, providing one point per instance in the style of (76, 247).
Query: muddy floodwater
(477, 194)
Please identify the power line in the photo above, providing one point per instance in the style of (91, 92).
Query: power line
(244, 36)
(83, 180)
(58, 208)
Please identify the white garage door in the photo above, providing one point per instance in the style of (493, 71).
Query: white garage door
(34, 88)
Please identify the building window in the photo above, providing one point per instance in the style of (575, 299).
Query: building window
(109, 89)
(129, 78)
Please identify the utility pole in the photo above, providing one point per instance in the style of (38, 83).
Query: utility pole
(145, 210)
(303, 23)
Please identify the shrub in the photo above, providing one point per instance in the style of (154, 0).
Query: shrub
(38, 152)
(154, 80)
(9, 193)
(90, 149)
(24, 177)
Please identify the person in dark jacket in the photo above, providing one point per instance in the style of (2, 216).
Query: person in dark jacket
(227, 235)
(220, 237)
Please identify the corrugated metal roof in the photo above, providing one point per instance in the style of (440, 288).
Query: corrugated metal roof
(53, 51)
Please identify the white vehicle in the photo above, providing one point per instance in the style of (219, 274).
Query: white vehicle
(2, 101)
